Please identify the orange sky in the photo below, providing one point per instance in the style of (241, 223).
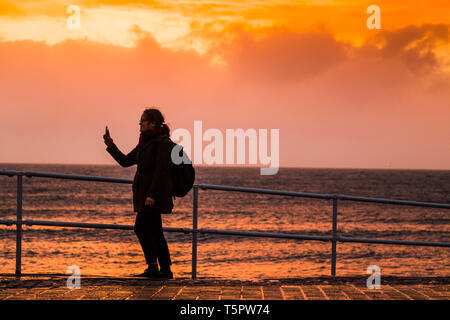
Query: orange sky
(342, 95)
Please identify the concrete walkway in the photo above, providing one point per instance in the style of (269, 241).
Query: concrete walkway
(53, 287)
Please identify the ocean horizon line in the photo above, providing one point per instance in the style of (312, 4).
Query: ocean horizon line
(231, 166)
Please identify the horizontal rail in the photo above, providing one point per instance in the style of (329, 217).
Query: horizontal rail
(260, 234)
(7, 222)
(266, 191)
(397, 242)
(265, 234)
(324, 196)
(85, 225)
(233, 188)
(76, 224)
(392, 201)
(71, 176)
(322, 238)
(9, 173)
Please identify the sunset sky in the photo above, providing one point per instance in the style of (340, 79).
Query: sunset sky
(342, 95)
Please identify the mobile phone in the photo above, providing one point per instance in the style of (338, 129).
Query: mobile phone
(106, 135)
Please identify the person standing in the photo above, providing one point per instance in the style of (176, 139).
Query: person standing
(152, 188)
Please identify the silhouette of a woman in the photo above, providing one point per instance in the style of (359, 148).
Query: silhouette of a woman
(152, 188)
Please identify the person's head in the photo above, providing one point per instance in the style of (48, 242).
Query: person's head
(152, 119)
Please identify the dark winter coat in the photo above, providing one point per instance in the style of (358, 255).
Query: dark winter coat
(153, 174)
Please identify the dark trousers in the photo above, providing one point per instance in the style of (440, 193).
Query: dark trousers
(148, 229)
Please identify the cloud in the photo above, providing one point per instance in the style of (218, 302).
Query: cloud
(276, 54)
(283, 55)
(9, 9)
(30, 8)
(335, 104)
(414, 45)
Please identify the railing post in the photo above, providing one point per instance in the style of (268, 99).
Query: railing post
(333, 234)
(194, 233)
(19, 225)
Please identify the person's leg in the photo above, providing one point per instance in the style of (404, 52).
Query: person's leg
(143, 233)
(160, 243)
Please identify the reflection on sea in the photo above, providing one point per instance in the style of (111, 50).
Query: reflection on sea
(117, 252)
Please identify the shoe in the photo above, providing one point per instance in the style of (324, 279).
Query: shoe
(165, 275)
(148, 273)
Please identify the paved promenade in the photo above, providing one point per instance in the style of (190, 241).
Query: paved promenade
(53, 287)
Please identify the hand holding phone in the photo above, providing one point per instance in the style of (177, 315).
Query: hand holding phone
(107, 138)
(106, 132)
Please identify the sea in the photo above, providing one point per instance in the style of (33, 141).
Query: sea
(117, 252)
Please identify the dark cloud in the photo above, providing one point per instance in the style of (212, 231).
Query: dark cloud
(414, 45)
(282, 55)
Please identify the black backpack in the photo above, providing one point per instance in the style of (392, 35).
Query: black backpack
(183, 174)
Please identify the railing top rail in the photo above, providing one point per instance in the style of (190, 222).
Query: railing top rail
(10, 173)
(266, 191)
(70, 176)
(232, 188)
(324, 196)
(395, 201)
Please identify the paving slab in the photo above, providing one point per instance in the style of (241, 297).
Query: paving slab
(53, 287)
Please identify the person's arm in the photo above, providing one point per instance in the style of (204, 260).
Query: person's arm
(161, 182)
(124, 160)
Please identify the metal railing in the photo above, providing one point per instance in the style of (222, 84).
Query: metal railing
(333, 238)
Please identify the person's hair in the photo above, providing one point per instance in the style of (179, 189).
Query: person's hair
(154, 115)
